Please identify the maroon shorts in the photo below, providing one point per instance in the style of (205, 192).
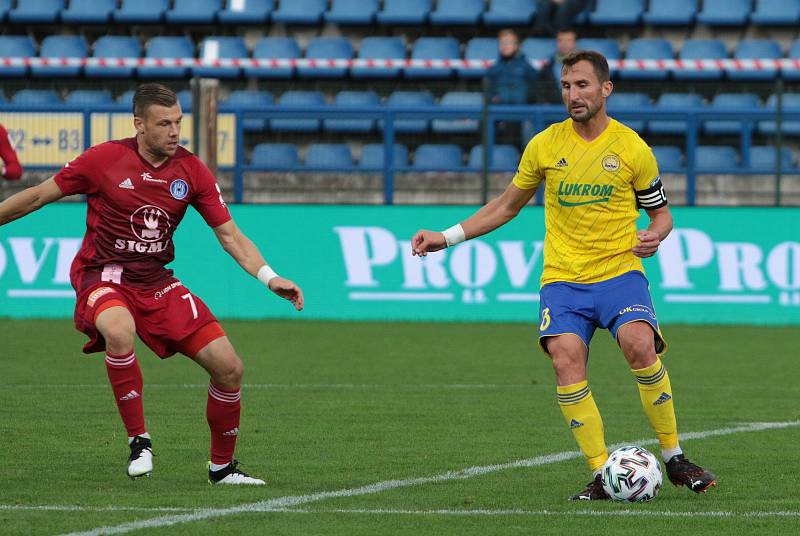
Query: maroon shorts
(168, 319)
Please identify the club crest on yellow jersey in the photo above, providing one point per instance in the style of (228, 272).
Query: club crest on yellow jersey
(611, 163)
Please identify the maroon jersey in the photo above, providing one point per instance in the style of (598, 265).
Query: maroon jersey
(133, 209)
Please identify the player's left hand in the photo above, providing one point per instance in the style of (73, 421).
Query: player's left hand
(648, 244)
(287, 289)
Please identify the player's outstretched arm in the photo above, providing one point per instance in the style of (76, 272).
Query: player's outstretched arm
(242, 249)
(28, 200)
(489, 217)
(659, 228)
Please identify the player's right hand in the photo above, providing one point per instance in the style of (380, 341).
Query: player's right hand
(425, 242)
(287, 289)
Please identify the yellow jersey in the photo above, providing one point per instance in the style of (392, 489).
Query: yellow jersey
(590, 198)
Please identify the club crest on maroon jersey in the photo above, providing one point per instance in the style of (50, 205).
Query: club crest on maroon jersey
(179, 189)
(150, 223)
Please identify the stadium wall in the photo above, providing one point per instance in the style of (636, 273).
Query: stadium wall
(720, 265)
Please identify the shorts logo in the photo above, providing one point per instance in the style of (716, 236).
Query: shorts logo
(179, 189)
(638, 308)
(611, 163)
(94, 296)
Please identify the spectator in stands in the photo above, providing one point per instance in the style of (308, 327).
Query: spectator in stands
(9, 164)
(549, 88)
(553, 16)
(511, 79)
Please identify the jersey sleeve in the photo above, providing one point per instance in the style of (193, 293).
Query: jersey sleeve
(207, 198)
(650, 192)
(13, 170)
(529, 173)
(80, 176)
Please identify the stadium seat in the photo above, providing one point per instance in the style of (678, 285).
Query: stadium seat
(438, 157)
(298, 99)
(60, 46)
(141, 11)
(185, 100)
(409, 99)
(216, 47)
(509, 12)
(712, 158)
(724, 12)
(299, 11)
(647, 49)
(352, 100)
(465, 99)
(794, 53)
(479, 48)
(764, 158)
(668, 158)
(790, 127)
(457, 12)
(5, 7)
(36, 11)
(404, 12)
(249, 100)
(110, 46)
(536, 48)
(607, 47)
(167, 48)
(729, 102)
(126, 98)
(88, 11)
(246, 11)
(327, 48)
(433, 48)
(504, 158)
(35, 97)
(353, 12)
(776, 13)
(671, 13)
(275, 155)
(372, 156)
(89, 97)
(617, 13)
(379, 48)
(274, 48)
(329, 156)
(193, 12)
(674, 101)
(701, 49)
(751, 49)
(630, 102)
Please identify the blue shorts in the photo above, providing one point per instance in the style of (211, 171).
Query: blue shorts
(581, 308)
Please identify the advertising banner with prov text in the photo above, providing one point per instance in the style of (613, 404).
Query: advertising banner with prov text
(719, 265)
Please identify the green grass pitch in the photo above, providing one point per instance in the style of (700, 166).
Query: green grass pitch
(335, 407)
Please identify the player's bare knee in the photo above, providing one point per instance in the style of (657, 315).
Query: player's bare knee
(229, 372)
(639, 351)
(119, 339)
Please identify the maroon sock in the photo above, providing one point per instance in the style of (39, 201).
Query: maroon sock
(222, 412)
(126, 381)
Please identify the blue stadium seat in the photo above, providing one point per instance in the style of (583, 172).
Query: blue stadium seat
(5, 7)
(110, 46)
(713, 158)
(302, 99)
(790, 127)
(607, 47)
(409, 99)
(504, 158)
(701, 49)
(60, 46)
(433, 48)
(299, 11)
(776, 12)
(141, 11)
(36, 11)
(352, 100)
(167, 48)
(617, 13)
(327, 48)
(635, 102)
(794, 53)
(329, 156)
(671, 13)
(647, 49)
(193, 12)
(275, 155)
(467, 99)
(89, 97)
(274, 48)
(216, 47)
(35, 97)
(246, 11)
(375, 48)
(668, 158)
(353, 12)
(536, 48)
(749, 49)
(674, 101)
(509, 12)
(126, 98)
(764, 158)
(252, 100)
(438, 157)
(2, 96)
(404, 12)
(727, 102)
(724, 12)
(457, 12)
(88, 11)
(479, 48)
(372, 156)
(185, 100)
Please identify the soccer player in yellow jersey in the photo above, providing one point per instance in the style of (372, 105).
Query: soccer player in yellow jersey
(597, 174)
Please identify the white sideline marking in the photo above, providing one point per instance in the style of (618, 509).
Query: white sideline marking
(378, 487)
(78, 508)
(290, 386)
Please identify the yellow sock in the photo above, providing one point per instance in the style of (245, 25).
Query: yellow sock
(656, 394)
(583, 418)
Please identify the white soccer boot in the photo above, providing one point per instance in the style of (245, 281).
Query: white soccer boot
(140, 462)
(230, 474)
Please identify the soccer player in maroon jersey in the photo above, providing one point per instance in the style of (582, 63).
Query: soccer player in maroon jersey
(137, 192)
(9, 164)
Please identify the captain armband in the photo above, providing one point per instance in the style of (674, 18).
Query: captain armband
(653, 197)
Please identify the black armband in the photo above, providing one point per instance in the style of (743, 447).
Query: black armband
(653, 197)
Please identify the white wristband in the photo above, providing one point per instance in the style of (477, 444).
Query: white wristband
(266, 274)
(454, 235)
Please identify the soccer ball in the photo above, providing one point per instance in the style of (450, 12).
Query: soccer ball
(631, 474)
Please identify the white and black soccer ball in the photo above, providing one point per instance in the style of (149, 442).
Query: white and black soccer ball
(632, 474)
